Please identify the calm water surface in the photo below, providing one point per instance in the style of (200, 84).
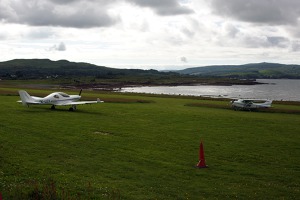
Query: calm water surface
(275, 89)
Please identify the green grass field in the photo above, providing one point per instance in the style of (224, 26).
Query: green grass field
(142, 147)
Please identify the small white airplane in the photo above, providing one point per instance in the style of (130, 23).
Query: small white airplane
(250, 104)
(54, 99)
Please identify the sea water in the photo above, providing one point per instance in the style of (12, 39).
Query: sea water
(275, 89)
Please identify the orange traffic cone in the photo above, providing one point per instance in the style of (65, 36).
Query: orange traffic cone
(201, 163)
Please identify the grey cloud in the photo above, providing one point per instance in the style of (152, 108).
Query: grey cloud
(64, 1)
(183, 59)
(189, 33)
(271, 12)
(41, 33)
(60, 47)
(231, 30)
(281, 42)
(7, 12)
(163, 7)
(82, 19)
(191, 28)
(265, 42)
(77, 13)
(101, 2)
(295, 46)
(294, 30)
(45, 13)
(3, 36)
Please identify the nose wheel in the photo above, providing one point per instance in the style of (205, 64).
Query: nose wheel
(73, 108)
(53, 107)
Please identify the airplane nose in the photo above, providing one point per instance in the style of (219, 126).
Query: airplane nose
(76, 97)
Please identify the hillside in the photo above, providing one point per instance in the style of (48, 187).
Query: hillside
(41, 68)
(257, 70)
(88, 75)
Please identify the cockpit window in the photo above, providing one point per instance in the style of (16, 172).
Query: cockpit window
(56, 96)
(64, 94)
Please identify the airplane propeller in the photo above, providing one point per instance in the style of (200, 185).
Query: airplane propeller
(80, 92)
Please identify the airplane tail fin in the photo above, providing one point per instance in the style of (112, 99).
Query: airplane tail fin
(268, 103)
(99, 101)
(25, 97)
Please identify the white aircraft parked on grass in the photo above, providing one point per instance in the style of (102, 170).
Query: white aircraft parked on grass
(250, 104)
(54, 99)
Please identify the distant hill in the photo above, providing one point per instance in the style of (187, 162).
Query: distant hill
(257, 70)
(41, 68)
(45, 68)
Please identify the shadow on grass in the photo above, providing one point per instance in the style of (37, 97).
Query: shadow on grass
(56, 110)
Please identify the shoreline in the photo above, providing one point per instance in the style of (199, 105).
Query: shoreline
(119, 85)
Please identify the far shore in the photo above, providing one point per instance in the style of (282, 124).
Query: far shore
(120, 85)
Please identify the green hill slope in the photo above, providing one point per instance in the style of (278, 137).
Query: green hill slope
(40, 68)
(257, 70)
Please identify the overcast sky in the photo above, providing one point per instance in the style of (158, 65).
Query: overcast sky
(158, 34)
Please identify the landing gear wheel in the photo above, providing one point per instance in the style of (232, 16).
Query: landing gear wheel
(53, 107)
(72, 108)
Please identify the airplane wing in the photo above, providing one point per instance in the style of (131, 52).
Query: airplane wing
(77, 102)
(30, 102)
